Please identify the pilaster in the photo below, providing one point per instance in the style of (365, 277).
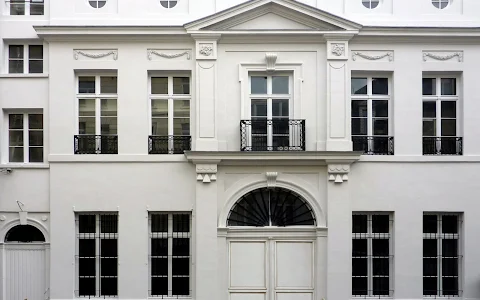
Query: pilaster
(206, 80)
(338, 86)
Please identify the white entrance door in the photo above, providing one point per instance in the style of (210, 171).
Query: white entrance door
(271, 269)
(25, 272)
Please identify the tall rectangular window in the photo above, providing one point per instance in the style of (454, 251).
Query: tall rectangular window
(25, 59)
(97, 115)
(440, 116)
(371, 110)
(170, 253)
(441, 254)
(97, 255)
(26, 7)
(170, 104)
(372, 255)
(25, 138)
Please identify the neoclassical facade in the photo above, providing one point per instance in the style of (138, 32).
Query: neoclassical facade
(242, 150)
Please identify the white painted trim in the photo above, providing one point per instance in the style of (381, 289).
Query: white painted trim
(9, 225)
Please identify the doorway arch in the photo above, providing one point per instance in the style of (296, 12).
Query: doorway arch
(24, 234)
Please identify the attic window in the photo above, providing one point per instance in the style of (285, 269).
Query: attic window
(440, 4)
(370, 4)
(169, 3)
(97, 3)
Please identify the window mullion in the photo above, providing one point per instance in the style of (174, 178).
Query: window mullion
(25, 57)
(170, 108)
(439, 117)
(98, 280)
(369, 256)
(440, 254)
(370, 118)
(170, 254)
(26, 143)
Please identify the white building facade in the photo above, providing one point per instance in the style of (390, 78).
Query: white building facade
(242, 150)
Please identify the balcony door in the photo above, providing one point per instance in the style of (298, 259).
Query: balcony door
(270, 102)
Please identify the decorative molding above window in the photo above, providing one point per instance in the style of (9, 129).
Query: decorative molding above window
(95, 54)
(372, 55)
(206, 173)
(337, 50)
(168, 54)
(442, 55)
(271, 59)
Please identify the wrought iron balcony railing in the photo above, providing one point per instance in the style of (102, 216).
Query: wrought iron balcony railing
(96, 144)
(451, 145)
(373, 145)
(272, 135)
(169, 144)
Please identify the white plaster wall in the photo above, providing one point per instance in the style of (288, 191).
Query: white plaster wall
(29, 186)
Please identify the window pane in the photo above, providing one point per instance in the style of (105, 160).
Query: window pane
(35, 154)
(160, 108)
(86, 286)
(159, 247)
(159, 286)
(17, 9)
(181, 85)
(108, 267)
(449, 247)
(380, 86)
(86, 125)
(15, 121)
(449, 86)
(160, 85)
(259, 85)
(181, 126)
(181, 247)
(381, 266)
(430, 248)
(181, 108)
(181, 223)
(35, 66)
(15, 154)
(108, 85)
(381, 286)
(181, 266)
(380, 127)
(259, 108)
(87, 266)
(359, 266)
(16, 138)
(430, 224)
(380, 108)
(180, 286)
(280, 108)
(159, 266)
(86, 107)
(15, 51)
(86, 85)
(280, 85)
(359, 286)
(35, 52)
(35, 138)
(429, 86)
(86, 223)
(429, 128)
(450, 286)
(35, 121)
(15, 66)
(108, 107)
(160, 126)
(380, 223)
(359, 223)
(430, 286)
(429, 109)
(359, 108)
(108, 286)
(159, 223)
(450, 266)
(450, 224)
(359, 86)
(108, 248)
(108, 125)
(108, 224)
(359, 126)
(449, 109)
(36, 9)
(359, 247)
(86, 248)
(380, 247)
(449, 127)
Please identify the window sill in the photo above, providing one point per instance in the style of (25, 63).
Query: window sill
(25, 166)
(40, 75)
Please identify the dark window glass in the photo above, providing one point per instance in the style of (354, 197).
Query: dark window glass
(108, 286)
(450, 286)
(430, 286)
(380, 127)
(86, 286)
(429, 109)
(380, 247)
(15, 59)
(429, 86)
(359, 108)
(108, 248)
(24, 234)
(429, 127)
(160, 223)
(181, 223)
(380, 86)
(359, 223)
(159, 247)
(359, 266)
(181, 247)
(359, 86)
(86, 223)
(380, 266)
(449, 127)
(108, 84)
(159, 286)
(258, 85)
(181, 266)
(159, 85)
(449, 109)
(380, 108)
(86, 247)
(108, 224)
(181, 85)
(381, 286)
(87, 266)
(159, 266)
(86, 85)
(359, 286)
(430, 224)
(359, 247)
(430, 248)
(449, 86)
(180, 286)
(450, 224)
(17, 7)
(36, 8)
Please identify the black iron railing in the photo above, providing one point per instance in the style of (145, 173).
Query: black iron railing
(96, 144)
(272, 135)
(451, 145)
(169, 144)
(373, 145)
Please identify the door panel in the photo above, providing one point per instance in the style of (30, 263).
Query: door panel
(294, 265)
(294, 296)
(247, 296)
(247, 265)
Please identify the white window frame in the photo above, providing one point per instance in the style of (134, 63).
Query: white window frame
(26, 142)
(170, 236)
(27, 6)
(439, 236)
(26, 57)
(369, 236)
(97, 237)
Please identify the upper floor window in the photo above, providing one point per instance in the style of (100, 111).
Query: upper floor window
(168, 3)
(97, 115)
(26, 7)
(371, 110)
(440, 116)
(170, 104)
(371, 4)
(97, 3)
(25, 138)
(441, 4)
(25, 59)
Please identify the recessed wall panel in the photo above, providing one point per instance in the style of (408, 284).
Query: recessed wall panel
(294, 265)
(247, 265)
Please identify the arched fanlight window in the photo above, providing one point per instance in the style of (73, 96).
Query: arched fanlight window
(169, 3)
(24, 234)
(371, 4)
(440, 4)
(97, 3)
(271, 207)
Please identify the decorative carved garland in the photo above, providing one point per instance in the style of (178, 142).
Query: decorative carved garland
(167, 55)
(372, 57)
(76, 53)
(443, 57)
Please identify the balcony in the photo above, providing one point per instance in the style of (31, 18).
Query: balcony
(373, 145)
(272, 135)
(169, 144)
(452, 145)
(95, 144)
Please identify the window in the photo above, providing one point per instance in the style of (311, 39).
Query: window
(168, 3)
(97, 255)
(25, 59)
(97, 115)
(25, 138)
(371, 4)
(441, 254)
(440, 116)
(372, 255)
(371, 109)
(97, 3)
(26, 7)
(441, 4)
(170, 104)
(170, 249)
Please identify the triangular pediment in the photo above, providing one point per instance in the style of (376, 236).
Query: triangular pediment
(272, 15)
